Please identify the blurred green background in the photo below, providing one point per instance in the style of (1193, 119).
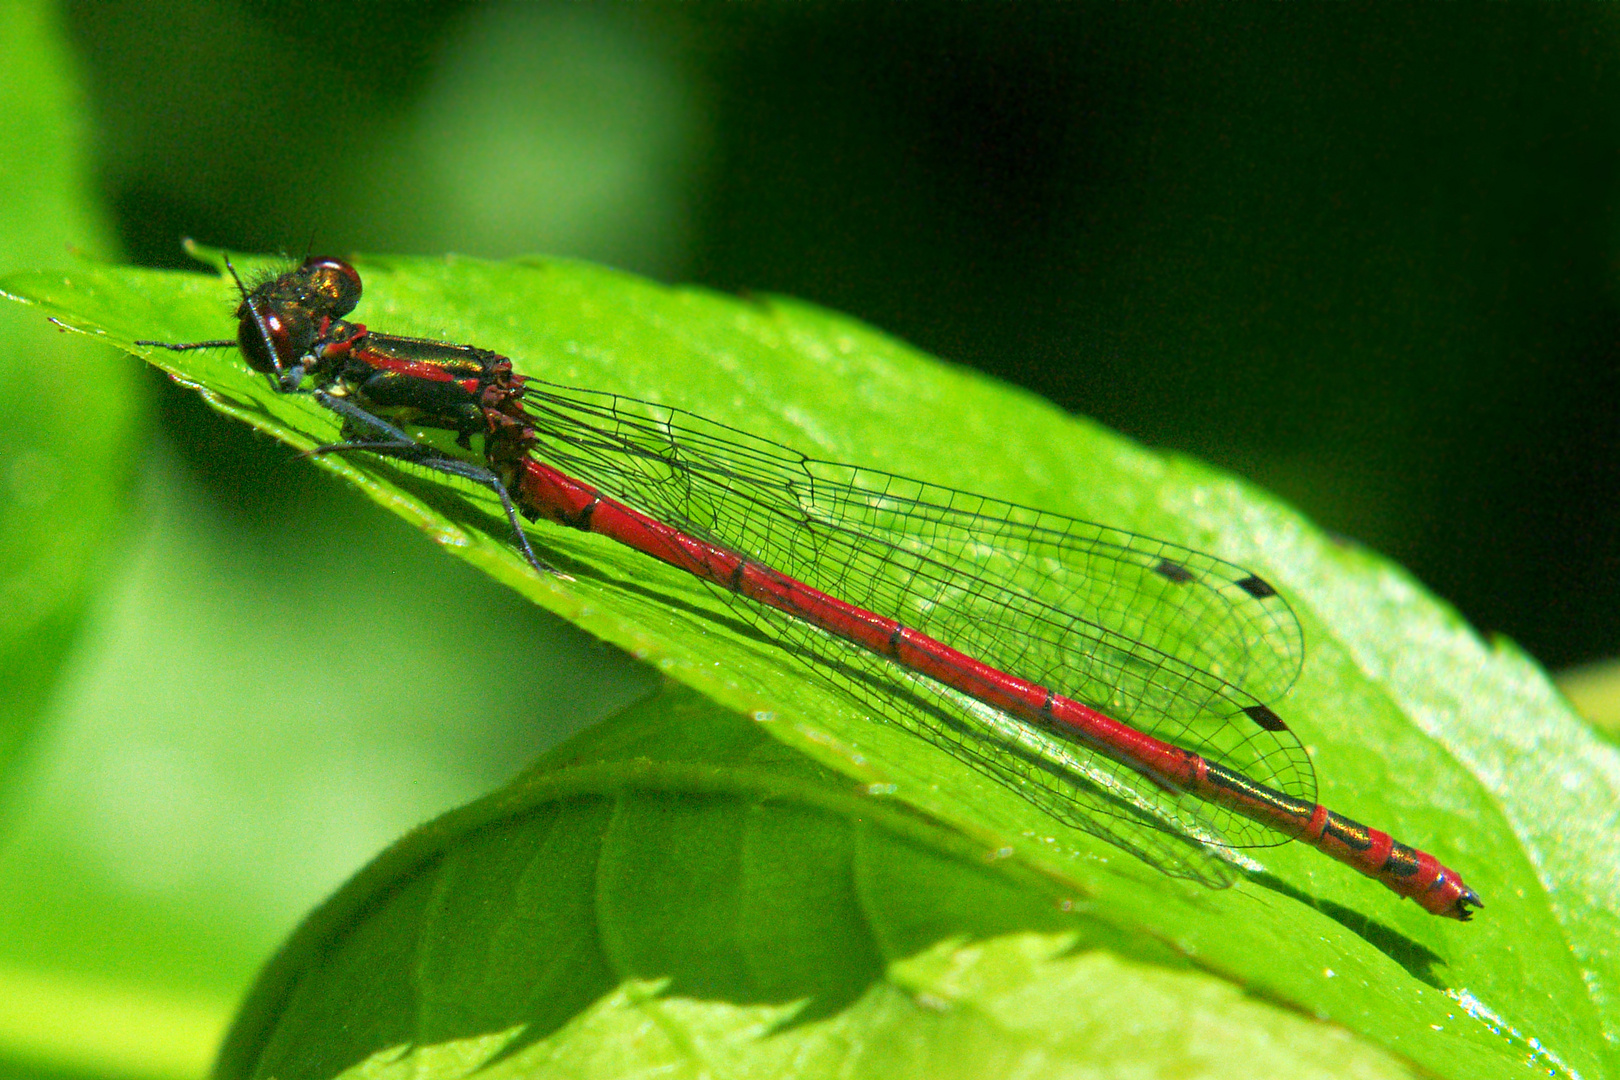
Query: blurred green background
(1361, 255)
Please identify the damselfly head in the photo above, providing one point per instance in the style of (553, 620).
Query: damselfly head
(273, 338)
(321, 286)
(280, 320)
(333, 286)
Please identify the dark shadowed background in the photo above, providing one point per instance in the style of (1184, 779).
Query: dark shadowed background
(1362, 255)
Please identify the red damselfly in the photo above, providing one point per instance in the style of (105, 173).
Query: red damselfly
(1118, 682)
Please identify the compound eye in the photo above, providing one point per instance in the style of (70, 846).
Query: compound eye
(335, 281)
(291, 334)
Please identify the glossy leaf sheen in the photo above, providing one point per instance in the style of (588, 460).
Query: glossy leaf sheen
(703, 897)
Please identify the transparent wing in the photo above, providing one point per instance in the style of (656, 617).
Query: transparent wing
(1173, 641)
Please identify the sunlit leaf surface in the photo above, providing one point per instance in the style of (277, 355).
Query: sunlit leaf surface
(753, 860)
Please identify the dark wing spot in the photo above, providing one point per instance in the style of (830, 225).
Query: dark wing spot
(1265, 718)
(1257, 587)
(1174, 571)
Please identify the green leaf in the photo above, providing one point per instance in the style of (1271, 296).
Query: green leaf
(740, 912)
(1416, 727)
